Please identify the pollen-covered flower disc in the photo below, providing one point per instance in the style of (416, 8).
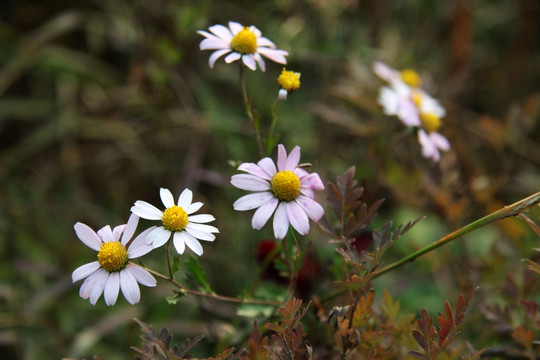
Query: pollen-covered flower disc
(112, 271)
(286, 191)
(177, 220)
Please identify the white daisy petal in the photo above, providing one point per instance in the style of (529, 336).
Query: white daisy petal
(232, 57)
(268, 166)
(298, 218)
(139, 245)
(199, 234)
(260, 61)
(129, 287)
(263, 213)
(146, 210)
(252, 201)
(201, 218)
(235, 27)
(142, 276)
(216, 55)
(274, 55)
(214, 44)
(84, 271)
(184, 201)
(440, 141)
(88, 236)
(262, 41)
(166, 197)
(249, 61)
(131, 226)
(193, 243)
(117, 232)
(110, 294)
(250, 182)
(100, 280)
(178, 242)
(293, 159)
(281, 221)
(312, 208)
(281, 157)
(158, 237)
(105, 233)
(193, 207)
(221, 32)
(254, 169)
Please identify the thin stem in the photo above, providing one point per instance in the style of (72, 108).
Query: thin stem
(169, 259)
(515, 209)
(185, 290)
(507, 211)
(249, 110)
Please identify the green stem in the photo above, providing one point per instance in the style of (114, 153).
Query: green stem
(249, 110)
(507, 211)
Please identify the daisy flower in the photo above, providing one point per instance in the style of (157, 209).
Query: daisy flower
(240, 42)
(288, 191)
(414, 107)
(113, 271)
(178, 221)
(289, 82)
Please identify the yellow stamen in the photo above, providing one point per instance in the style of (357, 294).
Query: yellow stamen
(411, 78)
(175, 218)
(112, 256)
(289, 80)
(417, 98)
(244, 42)
(430, 122)
(285, 185)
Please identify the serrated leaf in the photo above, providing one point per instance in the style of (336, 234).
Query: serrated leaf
(195, 272)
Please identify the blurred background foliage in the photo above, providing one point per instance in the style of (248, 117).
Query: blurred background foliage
(104, 102)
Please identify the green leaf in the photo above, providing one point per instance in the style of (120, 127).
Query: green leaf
(174, 299)
(195, 272)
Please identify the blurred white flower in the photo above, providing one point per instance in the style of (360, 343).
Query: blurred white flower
(240, 42)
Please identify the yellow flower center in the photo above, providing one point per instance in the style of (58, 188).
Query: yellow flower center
(411, 78)
(417, 98)
(244, 42)
(430, 122)
(112, 256)
(285, 185)
(175, 218)
(289, 80)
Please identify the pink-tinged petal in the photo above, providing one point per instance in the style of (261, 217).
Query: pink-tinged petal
(268, 166)
(139, 245)
(129, 287)
(185, 199)
(112, 287)
(249, 61)
(263, 213)
(281, 221)
(193, 207)
(130, 229)
(408, 112)
(440, 141)
(214, 44)
(312, 181)
(429, 150)
(201, 218)
(252, 201)
(216, 55)
(166, 197)
(146, 211)
(105, 234)
(94, 283)
(117, 232)
(297, 218)
(206, 34)
(262, 41)
(293, 159)
(84, 271)
(158, 237)
(235, 27)
(250, 182)
(221, 32)
(274, 55)
(178, 242)
(198, 234)
(255, 31)
(300, 172)
(307, 192)
(385, 72)
(88, 236)
(232, 57)
(254, 169)
(142, 276)
(281, 157)
(312, 208)
(100, 280)
(203, 227)
(192, 243)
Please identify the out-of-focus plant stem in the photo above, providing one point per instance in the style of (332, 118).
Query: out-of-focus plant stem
(507, 211)
(249, 110)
